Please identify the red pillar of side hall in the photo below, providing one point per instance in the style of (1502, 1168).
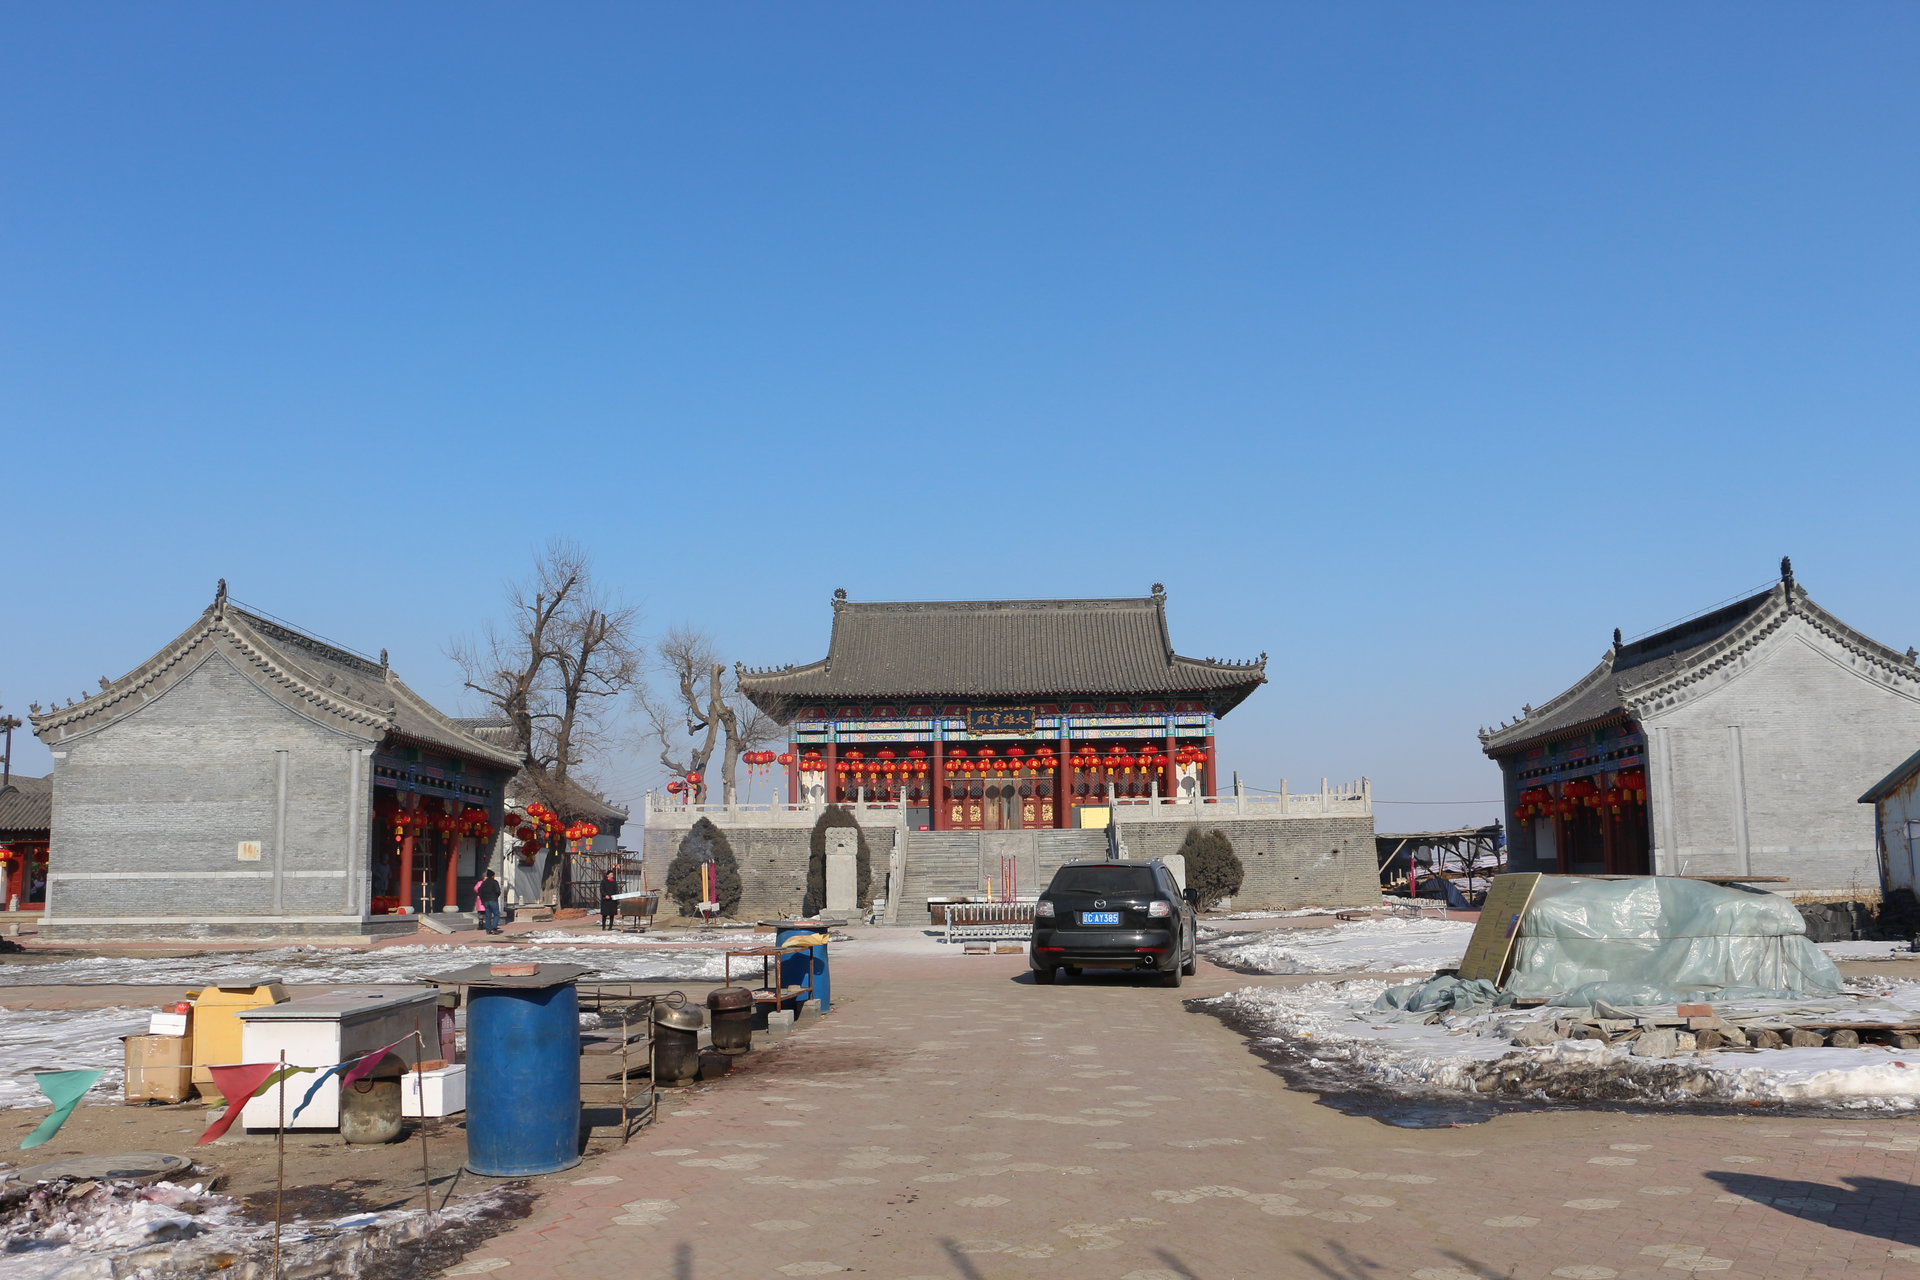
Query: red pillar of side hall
(1003, 714)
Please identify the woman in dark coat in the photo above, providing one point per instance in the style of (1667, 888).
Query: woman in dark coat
(609, 885)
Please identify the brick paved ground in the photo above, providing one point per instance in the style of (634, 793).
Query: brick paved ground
(951, 1120)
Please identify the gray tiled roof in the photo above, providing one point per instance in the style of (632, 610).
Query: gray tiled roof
(28, 807)
(1002, 648)
(1601, 694)
(304, 671)
(412, 716)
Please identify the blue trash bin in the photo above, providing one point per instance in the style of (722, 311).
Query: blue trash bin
(523, 1069)
(805, 961)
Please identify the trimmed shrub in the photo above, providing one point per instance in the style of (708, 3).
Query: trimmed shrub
(816, 900)
(704, 843)
(1213, 868)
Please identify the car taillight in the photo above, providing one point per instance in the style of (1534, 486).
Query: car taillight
(1159, 909)
(1043, 910)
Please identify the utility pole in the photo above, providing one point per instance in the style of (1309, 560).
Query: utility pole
(9, 724)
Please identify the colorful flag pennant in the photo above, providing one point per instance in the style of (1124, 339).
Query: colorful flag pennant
(241, 1084)
(369, 1061)
(313, 1090)
(64, 1089)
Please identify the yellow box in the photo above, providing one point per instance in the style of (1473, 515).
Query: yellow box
(216, 1031)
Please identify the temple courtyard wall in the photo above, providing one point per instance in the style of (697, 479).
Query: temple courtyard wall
(1289, 862)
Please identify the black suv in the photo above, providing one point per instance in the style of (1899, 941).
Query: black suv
(1113, 914)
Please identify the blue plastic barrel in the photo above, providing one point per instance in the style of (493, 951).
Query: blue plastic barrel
(523, 1079)
(795, 968)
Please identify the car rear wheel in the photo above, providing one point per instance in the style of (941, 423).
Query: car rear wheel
(1042, 977)
(1192, 966)
(1171, 978)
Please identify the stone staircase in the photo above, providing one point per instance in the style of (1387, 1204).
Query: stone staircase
(939, 864)
(955, 864)
(1058, 847)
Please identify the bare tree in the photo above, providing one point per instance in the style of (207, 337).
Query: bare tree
(556, 668)
(695, 709)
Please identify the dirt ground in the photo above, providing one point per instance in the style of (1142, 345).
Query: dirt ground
(324, 1176)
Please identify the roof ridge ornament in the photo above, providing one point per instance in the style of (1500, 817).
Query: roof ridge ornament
(383, 661)
(1159, 593)
(1616, 640)
(839, 597)
(1786, 573)
(220, 598)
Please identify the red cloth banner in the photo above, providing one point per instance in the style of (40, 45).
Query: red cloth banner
(240, 1084)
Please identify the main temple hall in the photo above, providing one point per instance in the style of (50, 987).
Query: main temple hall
(1002, 714)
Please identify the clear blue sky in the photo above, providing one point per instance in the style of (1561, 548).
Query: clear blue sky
(1419, 345)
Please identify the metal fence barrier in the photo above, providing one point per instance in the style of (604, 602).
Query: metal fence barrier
(989, 920)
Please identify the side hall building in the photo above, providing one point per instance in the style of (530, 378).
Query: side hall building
(1737, 743)
(251, 780)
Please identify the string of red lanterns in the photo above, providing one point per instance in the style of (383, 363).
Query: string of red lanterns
(1629, 786)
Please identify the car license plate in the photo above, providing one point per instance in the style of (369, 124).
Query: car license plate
(1099, 917)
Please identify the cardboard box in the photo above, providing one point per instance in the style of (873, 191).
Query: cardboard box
(157, 1069)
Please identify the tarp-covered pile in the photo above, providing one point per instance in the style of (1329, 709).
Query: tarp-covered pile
(1660, 940)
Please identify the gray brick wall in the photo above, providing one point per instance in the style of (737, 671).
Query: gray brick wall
(773, 864)
(1289, 862)
(160, 801)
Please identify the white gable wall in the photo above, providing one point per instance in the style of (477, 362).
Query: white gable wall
(1758, 768)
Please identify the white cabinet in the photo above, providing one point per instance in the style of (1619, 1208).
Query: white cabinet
(319, 1031)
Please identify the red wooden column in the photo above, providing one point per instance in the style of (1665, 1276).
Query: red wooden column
(1170, 788)
(832, 777)
(1063, 779)
(451, 895)
(1206, 768)
(937, 791)
(406, 860)
(793, 773)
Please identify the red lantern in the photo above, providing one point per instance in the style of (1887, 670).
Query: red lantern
(693, 779)
(786, 759)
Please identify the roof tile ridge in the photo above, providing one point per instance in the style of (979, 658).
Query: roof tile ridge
(299, 682)
(1106, 603)
(133, 681)
(1788, 601)
(1515, 731)
(1858, 642)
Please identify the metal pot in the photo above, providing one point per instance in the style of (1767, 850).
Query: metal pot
(676, 1045)
(732, 1011)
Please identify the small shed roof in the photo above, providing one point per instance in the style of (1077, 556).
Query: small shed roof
(1893, 781)
(27, 806)
(568, 798)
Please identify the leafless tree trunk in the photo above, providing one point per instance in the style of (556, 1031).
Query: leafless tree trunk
(554, 669)
(696, 710)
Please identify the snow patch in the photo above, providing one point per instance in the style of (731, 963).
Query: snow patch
(62, 1040)
(1388, 945)
(1329, 1030)
(320, 966)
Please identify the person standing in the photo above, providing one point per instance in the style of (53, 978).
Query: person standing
(487, 894)
(609, 886)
